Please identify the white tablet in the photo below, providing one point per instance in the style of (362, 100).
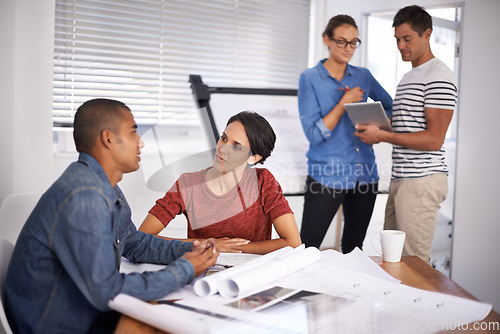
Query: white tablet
(365, 113)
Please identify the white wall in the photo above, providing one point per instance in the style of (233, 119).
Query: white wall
(477, 221)
(27, 162)
(476, 224)
(7, 40)
(26, 39)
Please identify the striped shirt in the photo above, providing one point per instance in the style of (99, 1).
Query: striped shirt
(430, 85)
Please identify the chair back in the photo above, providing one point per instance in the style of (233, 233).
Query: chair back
(14, 212)
(6, 248)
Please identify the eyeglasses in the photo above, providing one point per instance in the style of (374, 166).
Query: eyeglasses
(342, 43)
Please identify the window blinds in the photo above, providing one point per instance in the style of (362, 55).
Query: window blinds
(142, 52)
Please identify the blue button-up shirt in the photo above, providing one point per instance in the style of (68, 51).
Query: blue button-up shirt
(337, 158)
(65, 265)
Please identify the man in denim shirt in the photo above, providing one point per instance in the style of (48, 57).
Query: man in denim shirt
(65, 265)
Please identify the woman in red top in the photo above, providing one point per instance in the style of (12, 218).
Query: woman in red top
(230, 201)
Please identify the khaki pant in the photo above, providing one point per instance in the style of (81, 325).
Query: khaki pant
(412, 207)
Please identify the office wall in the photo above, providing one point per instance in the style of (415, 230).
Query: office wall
(27, 162)
(26, 41)
(476, 224)
(7, 40)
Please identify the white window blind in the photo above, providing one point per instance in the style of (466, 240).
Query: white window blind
(142, 52)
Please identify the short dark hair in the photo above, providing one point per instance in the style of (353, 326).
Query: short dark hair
(259, 132)
(415, 16)
(94, 116)
(337, 21)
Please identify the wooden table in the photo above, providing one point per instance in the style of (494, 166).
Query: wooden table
(412, 271)
(416, 273)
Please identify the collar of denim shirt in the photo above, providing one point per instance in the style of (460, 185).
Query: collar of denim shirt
(114, 193)
(323, 72)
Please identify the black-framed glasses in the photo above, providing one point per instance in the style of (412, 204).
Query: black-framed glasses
(342, 43)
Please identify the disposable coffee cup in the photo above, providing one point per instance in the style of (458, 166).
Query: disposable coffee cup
(391, 242)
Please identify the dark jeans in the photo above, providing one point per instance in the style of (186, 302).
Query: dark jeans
(321, 204)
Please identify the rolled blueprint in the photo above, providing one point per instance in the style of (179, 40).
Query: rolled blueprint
(208, 285)
(239, 283)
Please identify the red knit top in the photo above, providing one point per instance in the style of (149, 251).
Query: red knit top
(247, 211)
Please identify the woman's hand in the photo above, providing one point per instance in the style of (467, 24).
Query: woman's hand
(352, 95)
(230, 245)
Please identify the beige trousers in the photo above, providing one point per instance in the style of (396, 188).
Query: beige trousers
(412, 206)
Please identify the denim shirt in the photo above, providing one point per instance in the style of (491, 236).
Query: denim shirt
(65, 264)
(337, 159)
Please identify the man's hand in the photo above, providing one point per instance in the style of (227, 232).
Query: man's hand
(229, 245)
(202, 244)
(369, 134)
(203, 255)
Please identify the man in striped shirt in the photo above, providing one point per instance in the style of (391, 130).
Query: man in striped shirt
(422, 111)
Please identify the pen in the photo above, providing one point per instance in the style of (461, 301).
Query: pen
(344, 89)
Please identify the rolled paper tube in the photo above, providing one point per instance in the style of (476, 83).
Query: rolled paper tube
(209, 285)
(242, 282)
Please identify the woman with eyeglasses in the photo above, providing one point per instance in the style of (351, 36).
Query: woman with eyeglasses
(341, 168)
(231, 201)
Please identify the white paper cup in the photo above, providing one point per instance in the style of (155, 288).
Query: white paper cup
(392, 242)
